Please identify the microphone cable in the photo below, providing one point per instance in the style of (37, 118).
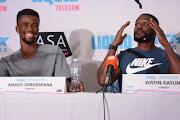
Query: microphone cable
(104, 98)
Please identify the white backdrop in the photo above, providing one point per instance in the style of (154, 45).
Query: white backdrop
(89, 26)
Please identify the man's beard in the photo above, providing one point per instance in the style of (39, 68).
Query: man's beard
(146, 38)
(28, 42)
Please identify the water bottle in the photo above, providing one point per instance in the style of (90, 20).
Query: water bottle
(75, 69)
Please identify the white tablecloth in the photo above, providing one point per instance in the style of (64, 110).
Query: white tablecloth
(89, 106)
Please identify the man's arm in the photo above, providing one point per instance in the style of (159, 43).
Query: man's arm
(3, 70)
(68, 84)
(101, 74)
(173, 59)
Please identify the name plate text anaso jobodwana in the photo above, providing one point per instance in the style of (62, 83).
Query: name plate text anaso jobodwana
(151, 83)
(32, 85)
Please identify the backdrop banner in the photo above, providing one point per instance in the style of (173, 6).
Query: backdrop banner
(87, 27)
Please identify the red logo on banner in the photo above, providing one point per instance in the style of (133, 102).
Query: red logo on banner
(3, 8)
(67, 7)
(62, 7)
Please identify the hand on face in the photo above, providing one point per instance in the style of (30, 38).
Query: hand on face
(119, 38)
(159, 32)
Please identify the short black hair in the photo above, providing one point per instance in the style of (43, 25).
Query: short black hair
(152, 16)
(27, 12)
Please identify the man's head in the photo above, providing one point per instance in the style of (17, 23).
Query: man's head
(27, 25)
(143, 32)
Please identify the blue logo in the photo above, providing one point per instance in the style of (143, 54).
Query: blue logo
(3, 44)
(102, 42)
(51, 1)
(3, 49)
(172, 39)
(2, 1)
(150, 77)
(21, 80)
(168, 77)
(3, 41)
(178, 40)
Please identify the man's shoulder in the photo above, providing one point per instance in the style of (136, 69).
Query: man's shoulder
(8, 57)
(48, 46)
(127, 51)
(124, 53)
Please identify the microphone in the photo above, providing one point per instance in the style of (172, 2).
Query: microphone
(111, 64)
(147, 38)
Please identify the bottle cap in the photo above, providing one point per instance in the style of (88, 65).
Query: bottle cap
(75, 60)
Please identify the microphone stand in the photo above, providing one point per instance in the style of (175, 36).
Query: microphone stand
(104, 99)
(109, 84)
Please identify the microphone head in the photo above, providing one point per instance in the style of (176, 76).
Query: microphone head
(112, 60)
(148, 38)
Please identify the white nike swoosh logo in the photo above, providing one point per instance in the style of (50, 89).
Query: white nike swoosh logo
(130, 70)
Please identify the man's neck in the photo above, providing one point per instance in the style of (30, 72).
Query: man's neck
(146, 46)
(28, 51)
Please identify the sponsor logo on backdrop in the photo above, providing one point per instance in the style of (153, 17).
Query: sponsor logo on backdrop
(3, 8)
(55, 38)
(2, 1)
(3, 45)
(172, 40)
(67, 7)
(168, 77)
(71, 6)
(102, 42)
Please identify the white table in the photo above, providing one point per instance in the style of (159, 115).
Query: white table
(89, 106)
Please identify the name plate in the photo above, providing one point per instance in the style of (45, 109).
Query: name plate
(32, 85)
(151, 83)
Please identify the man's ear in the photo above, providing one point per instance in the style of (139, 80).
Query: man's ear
(17, 29)
(154, 33)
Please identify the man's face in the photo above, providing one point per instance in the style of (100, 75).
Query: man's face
(28, 27)
(143, 30)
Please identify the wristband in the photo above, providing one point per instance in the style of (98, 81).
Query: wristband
(112, 47)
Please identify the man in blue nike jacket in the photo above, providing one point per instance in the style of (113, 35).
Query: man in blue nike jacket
(152, 60)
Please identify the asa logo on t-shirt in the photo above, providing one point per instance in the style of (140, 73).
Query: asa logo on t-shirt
(140, 64)
(55, 38)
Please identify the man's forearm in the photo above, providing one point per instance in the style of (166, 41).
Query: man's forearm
(68, 83)
(101, 74)
(173, 59)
